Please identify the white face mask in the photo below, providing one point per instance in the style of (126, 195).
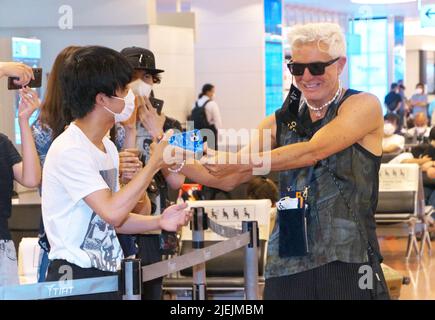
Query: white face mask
(141, 88)
(419, 91)
(389, 129)
(128, 109)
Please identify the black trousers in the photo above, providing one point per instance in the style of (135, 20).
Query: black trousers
(333, 281)
(55, 273)
(149, 253)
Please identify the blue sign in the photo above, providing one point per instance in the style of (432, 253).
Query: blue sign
(427, 16)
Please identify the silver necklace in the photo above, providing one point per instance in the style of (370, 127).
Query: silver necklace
(318, 110)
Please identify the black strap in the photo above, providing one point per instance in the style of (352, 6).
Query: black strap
(203, 106)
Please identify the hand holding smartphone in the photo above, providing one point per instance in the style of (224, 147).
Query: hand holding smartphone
(157, 104)
(34, 83)
(190, 141)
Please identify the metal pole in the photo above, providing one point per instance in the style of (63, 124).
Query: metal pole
(251, 261)
(130, 280)
(199, 290)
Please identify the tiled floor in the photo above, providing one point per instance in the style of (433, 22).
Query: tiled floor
(420, 271)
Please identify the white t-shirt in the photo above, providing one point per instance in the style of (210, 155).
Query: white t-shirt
(395, 139)
(420, 131)
(212, 111)
(75, 168)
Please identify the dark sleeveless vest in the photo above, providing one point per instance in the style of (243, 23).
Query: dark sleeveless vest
(332, 231)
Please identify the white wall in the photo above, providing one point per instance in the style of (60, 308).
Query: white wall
(229, 53)
(174, 51)
(416, 38)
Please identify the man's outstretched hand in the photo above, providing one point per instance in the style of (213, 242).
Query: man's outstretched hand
(17, 69)
(174, 217)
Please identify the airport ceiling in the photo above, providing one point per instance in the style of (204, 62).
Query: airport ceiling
(409, 9)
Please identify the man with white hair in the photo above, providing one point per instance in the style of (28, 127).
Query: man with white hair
(326, 140)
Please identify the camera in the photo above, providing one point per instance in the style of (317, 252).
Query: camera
(34, 83)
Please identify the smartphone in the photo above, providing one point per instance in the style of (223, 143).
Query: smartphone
(34, 83)
(190, 140)
(157, 104)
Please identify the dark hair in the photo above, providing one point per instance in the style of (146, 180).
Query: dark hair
(52, 114)
(89, 71)
(419, 150)
(262, 188)
(432, 134)
(205, 88)
(394, 86)
(420, 84)
(391, 117)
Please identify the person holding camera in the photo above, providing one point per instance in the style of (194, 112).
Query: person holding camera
(150, 125)
(24, 170)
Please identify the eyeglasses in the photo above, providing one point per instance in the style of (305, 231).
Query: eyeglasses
(315, 68)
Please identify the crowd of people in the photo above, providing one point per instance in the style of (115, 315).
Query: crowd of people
(100, 140)
(409, 133)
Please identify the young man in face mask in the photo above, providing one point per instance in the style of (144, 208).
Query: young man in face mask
(82, 205)
(150, 124)
(392, 142)
(419, 100)
(420, 130)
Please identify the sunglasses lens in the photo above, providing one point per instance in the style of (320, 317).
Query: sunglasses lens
(316, 69)
(297, 69)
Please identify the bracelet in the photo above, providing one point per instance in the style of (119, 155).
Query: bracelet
(178, 169)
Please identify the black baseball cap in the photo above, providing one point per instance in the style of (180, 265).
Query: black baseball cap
(141, 58)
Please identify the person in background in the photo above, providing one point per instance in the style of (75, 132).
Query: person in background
(25, 170)
(392, 142)
(206, 113)
(150, 125)
(394, 103)
(264, 188)
(420, 132)
(419, 100)
(405, 100)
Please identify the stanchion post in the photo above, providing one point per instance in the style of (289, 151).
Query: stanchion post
(130, 279)
(199, 290)
(251, 260)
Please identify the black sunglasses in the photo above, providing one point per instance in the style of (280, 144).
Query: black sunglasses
(315, 68)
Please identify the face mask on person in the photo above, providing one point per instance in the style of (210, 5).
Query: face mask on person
(128, 109)
(141, 88)
(419, 91)
(389, 129)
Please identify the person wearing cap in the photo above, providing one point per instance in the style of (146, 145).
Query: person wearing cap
(150, 125)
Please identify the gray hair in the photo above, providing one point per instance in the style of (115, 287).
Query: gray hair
(325, 34)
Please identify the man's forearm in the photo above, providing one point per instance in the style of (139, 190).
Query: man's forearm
(130, 138)
(136, 224)
(196, 172)
(288, 157)
(127, 198)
